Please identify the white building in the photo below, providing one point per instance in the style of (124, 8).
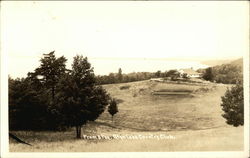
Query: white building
(189, 73)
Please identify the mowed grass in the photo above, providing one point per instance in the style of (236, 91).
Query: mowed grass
(194, 120)
(142, 110)
(217, 139)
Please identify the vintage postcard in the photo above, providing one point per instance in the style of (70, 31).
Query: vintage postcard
(124, 79)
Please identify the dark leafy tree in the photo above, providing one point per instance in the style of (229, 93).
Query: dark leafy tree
(120, 76)
(227, 73)
(174, 74)
(171, 73)
(158, 73)
(113, 109)
(27, 107)
(112, 78)
(49, 72)
(79, 99)
(185, 76)
(233, 105)
(208, 75)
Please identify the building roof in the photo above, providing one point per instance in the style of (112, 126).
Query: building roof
(189, 71)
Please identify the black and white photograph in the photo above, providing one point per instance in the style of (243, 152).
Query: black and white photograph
(125, 79)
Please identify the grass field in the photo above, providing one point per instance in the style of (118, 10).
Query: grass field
(194, 120)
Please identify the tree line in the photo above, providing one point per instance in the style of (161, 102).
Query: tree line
(226, 73)
(55, 98)
(119, 77)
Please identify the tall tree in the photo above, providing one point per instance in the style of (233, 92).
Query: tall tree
(120, 76)
(49, 72)
(113, 109)
(233, 105)
(79, 99)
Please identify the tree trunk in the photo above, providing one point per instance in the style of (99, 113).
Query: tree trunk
(78, 132)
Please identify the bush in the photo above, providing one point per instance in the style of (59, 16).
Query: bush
(124, 87)
(113, 109)
(233, 105)
(119, 101)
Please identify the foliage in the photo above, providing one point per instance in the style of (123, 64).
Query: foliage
(124, 87)
(208, 75)
(233, 105)
(79, 99)
(185, 76)
(173, 74)
(113, 109)
(230, 73)
(49, 72)
(53, 98)
(120, 76)
(27, 107)
(136, 76)
(158, 73)
(130, 77)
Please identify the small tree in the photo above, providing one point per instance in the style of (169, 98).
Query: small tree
(233, 105)
(113, 109)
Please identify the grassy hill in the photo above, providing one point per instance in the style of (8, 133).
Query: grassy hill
(140, 109)
(194, 120)
(229, 73)
(215, 62)
(238, 62)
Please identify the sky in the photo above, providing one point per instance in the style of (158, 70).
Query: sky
(136, 36)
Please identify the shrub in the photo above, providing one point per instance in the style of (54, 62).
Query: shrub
(124, 87)
(233, 105)
(113, 109)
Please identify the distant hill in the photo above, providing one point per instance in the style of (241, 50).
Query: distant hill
(238, 62)
(212, 63)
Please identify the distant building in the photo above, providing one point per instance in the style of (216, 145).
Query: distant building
(189, 73)
(157, 79)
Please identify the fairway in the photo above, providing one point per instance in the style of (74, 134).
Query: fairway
(142, 109)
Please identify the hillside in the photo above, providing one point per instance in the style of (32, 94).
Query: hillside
(193, 120)
(238, 62)
(212, 63)
(229, 73)
(140, 109)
